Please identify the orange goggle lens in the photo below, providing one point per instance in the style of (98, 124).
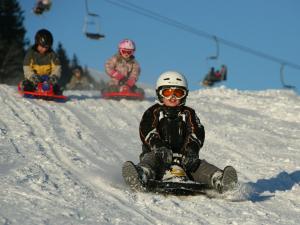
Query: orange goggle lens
(179, 93)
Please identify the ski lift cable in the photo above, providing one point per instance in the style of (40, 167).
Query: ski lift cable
(156, 16)
(163, 19)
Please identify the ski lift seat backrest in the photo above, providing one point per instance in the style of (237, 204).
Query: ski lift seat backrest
(223, 72)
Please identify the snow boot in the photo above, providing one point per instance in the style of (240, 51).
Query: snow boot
(57, 89)
(27, 85)
(135, 176)
(224, 180)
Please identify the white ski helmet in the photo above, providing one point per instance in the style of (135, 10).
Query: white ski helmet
(127, 44)
(171, 79)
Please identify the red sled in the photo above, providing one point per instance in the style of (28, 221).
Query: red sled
(39, 93)
(123, 95)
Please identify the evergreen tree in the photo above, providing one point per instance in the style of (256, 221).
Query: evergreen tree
(12, 42)
(101, 85)
(86, 71)
(87, 74)
(75, 62)
(66, 72)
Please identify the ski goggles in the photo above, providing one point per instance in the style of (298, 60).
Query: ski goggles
(169, 92)
(126, 51)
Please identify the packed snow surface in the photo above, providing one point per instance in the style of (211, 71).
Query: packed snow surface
(60, 163)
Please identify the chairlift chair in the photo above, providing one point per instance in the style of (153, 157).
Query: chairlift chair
(222, 68)
(282, 78)
(92, 20)
(41, 6)
(214, 59)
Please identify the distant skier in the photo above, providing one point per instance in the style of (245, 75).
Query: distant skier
(41, 63)
(168, 128)
(214, 76)
(78, 81)
(123, 68)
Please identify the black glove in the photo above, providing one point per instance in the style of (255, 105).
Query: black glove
(191, 161)
(53, 79)
(165, 154)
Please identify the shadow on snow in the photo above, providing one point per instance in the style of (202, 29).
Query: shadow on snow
(282, 182)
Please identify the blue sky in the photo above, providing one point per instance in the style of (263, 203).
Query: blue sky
(268, 26)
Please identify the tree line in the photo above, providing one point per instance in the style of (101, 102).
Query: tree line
(13, 46)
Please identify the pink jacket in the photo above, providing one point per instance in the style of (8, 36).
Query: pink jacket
(117, 65)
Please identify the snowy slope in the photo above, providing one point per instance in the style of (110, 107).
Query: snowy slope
(60, 163)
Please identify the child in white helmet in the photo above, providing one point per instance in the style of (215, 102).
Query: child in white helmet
(168, 128)
(123, 68)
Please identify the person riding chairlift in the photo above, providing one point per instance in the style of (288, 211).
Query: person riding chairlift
(215, 76)
(42, 6)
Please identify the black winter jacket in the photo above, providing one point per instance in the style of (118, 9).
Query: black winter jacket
(177, 128)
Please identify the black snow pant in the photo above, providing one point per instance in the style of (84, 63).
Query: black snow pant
(202, 174)
(150, 161)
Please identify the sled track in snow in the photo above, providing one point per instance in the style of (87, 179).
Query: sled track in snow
(51, 130)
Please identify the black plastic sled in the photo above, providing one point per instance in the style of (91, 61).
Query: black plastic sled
(176, 188)
(174, 182)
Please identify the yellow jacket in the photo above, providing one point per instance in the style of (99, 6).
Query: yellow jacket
(41, 64)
